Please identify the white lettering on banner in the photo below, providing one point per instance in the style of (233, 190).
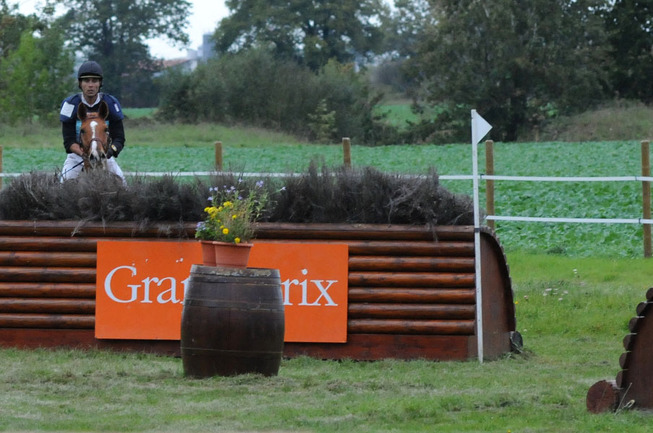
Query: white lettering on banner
(288, 284)
(149, 284)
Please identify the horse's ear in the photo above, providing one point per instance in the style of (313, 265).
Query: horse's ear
(104, 110)
(81, 111)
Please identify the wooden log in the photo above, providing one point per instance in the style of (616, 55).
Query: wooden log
(649, 294)
(390, 263)
(420, 295)
(46, 258)
(411, 280)
(49, 306)
(394, 248)
(368, 347)
(56, 321)
(603, 396)
(412, 311)
(641, 307)
(47, 290)
(623, 360)
(628, 341)
(93, 228)
(423, 327)
(633, 324)
(363, 231)
(621, 380)
(18, 243)
(43, 275)
(410, 248)
(371, 347)
(264, 230)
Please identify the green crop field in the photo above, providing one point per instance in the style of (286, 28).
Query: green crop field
(190, 148)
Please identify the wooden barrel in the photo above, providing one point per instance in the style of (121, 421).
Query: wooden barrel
(232, 322)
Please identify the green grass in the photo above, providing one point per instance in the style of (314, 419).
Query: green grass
(397, 114)
(572, 316)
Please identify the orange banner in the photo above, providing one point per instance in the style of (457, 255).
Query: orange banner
(140, 288)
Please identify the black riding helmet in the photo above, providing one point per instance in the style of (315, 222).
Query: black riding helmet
(89, 69)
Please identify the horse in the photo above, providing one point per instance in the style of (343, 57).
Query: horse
(94, 136)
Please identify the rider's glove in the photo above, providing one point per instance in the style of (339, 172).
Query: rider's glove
(113, 151)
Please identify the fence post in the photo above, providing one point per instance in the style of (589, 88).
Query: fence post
(646, 197)
(218, 155)
(489, 184)
(346, 152)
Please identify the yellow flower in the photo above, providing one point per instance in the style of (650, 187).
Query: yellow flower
(237, 240)
(225, 231)
(234, 216)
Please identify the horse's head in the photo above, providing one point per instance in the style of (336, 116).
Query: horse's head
(94, 134)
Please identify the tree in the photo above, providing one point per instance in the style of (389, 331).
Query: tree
(309, 31)
(12, 26)
(35, 72)
(114, 33)
(517, 63)
(630, 27)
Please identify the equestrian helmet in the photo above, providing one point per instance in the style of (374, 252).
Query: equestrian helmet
(89, 69)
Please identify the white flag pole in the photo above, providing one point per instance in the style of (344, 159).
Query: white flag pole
(479, 129)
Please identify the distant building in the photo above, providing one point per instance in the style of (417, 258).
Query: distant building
(208, 47)
(193, 57)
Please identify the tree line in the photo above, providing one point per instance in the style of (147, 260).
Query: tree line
(319, 68)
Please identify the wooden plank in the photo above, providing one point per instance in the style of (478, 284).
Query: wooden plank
(50, 290)
(57, 321)
(46, 258)
(412, 279)
(424, 327)
(393, 263)
(413, 295)
(47, 306)
(412, 311)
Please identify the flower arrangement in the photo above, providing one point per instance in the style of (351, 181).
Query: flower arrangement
(230, 215)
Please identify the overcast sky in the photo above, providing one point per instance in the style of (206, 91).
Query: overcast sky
(204, 17)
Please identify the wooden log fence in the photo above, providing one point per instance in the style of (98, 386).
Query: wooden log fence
(411, 288)
(632, 386)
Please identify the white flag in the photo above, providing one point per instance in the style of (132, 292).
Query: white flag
(480, 127)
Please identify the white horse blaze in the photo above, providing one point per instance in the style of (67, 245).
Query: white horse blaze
(94, 151)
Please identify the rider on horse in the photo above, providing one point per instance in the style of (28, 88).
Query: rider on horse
(89, 78)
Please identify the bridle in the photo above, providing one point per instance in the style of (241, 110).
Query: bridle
(95, 149)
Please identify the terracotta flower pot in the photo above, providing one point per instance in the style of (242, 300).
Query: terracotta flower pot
(227, 254)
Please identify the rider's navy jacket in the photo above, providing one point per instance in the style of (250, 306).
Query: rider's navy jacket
(70, 125)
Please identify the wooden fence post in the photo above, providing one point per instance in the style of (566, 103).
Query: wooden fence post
(218, 155)
(489, 184)
(346, 152)
(646, 196)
